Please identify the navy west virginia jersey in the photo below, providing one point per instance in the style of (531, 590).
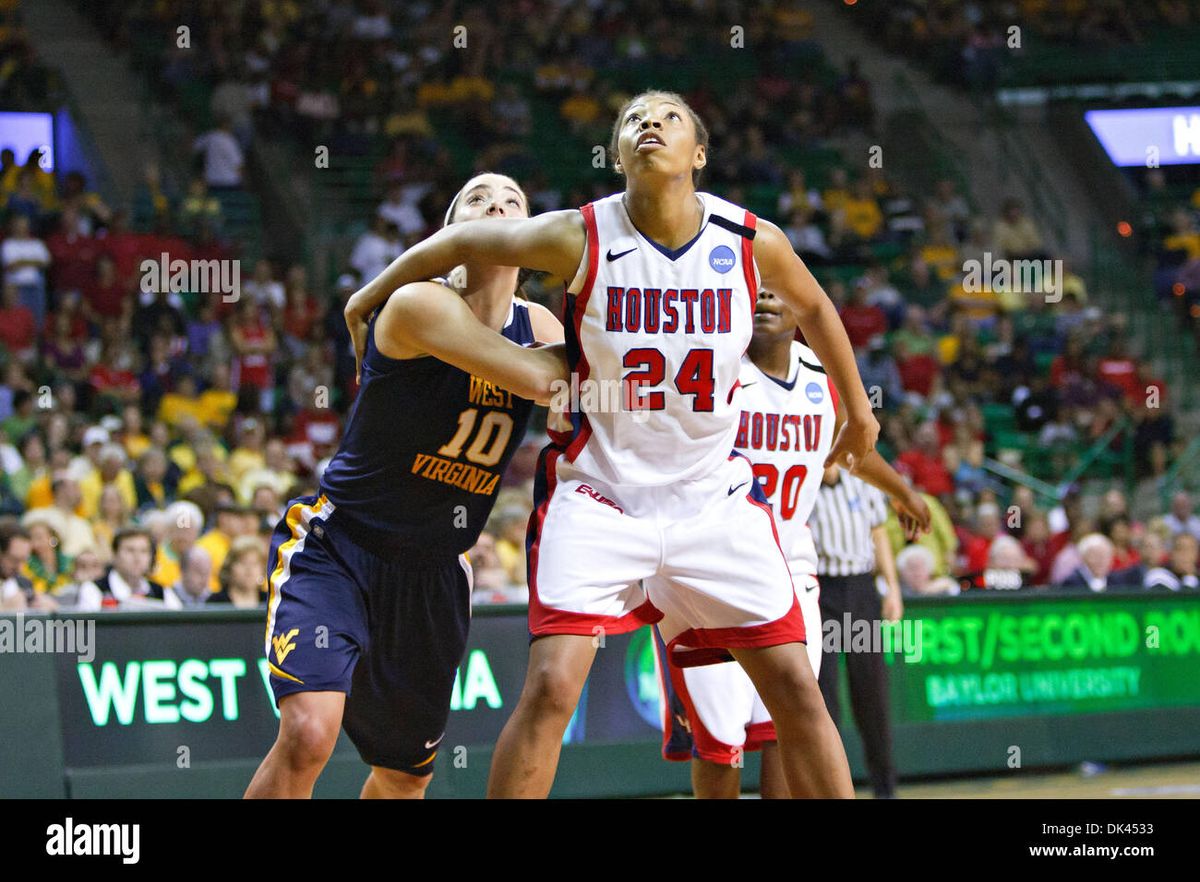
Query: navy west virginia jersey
(369, 592)
(425, 446)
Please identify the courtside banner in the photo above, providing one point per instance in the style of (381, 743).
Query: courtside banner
(158, 685)
(1015, 655)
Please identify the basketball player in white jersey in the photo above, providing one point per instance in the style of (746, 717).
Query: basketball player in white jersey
(712, 714)
(644, 512)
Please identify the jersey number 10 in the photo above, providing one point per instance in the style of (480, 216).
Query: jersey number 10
(494, 431)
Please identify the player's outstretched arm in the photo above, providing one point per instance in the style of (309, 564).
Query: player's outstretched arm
(429, 318)
(914, 514)
(552, 242)
(784, 273)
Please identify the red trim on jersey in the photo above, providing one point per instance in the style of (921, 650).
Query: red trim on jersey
(758, 734)
(544, 620)
(833, 396)
(712, 643)
(748, 264)
(581, 302)
(705, 745)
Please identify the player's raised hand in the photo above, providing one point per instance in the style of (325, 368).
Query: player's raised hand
(914, 514)
(855, 440)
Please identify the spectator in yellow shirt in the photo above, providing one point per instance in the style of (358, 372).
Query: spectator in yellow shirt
(181, 403)
(863, 215)
(941, 540)
(208, 469)
(217, 402)
(277, 472)
(978, 306)
(837, 193)
(132, 435)
(217, 540)
(112, 517)
(580, 110)
(1015, 233)
(1184, 236)
(941, 253)
(110, 470)
(185, 523)
(248, 454)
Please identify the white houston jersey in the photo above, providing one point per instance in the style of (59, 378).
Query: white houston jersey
(786, 430)
(655, 339)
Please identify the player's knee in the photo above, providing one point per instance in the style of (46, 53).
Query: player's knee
(797, 691)
(394, 784)
(550, 692)
(308, 737)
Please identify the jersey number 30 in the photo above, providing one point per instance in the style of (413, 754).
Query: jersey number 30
(494, 431)
(695, 377)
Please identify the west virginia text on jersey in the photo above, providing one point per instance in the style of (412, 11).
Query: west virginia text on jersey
(433, 437)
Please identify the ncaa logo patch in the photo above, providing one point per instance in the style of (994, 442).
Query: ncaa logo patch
(814, 393)
(721, 258)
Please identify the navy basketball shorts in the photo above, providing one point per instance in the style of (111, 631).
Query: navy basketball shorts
(388, 633)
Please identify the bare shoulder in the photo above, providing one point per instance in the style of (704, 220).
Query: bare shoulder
(769, 239)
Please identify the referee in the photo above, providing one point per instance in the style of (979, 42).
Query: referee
(847, 524)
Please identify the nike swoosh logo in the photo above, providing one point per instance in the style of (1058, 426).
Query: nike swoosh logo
(810, 588)
(613, 257)
(733, 490)
(430, 745)
(751, 383)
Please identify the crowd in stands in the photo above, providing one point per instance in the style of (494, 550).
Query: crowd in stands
(1171, 236)
(969, 41)
(151, 436)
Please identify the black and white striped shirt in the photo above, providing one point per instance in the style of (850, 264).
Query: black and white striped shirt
(841, 523)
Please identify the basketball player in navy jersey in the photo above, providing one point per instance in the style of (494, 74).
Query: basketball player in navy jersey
(370, 592)
(643, 513)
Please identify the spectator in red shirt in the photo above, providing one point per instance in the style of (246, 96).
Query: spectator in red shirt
(862, 321)
(125, 248)
(70, 307)
(74, 253)
(918, 373)
(18, 328)
(106, 296)
(1036, 543)
(108, 378)
(924, 463)
(300, 314)
(1120, 531)
(254, 344)
(1118, 369)
(1069, 364)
